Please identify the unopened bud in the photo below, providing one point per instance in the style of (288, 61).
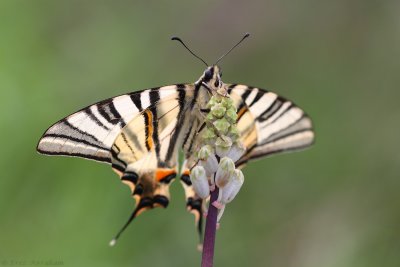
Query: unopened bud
(208, 160)
(237, 150)
(213, 101)
(225, 170)
(209, 134)
(218, 110)
(231, 115)
(222, 125)
(230, 190)
(200, 181)
(223, 145)
(233, 133)
(227, 102)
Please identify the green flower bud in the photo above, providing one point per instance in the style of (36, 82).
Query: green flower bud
(213, 101)
(218, 110)
(205, 152)
(210, 117)
(227, 102)
(231, 115)
(209, 133)
(222, 125)
(233, 133)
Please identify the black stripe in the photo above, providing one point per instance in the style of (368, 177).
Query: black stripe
(194, 136)
(276, 105)
(246, 94)
(130, 134)
(138, 190)
(75, 155)
(116, 114)
(231, 87)
(195, 95)
(95, 119)
(208, 74)
(167, 179)
(246, 156)
(118, 167)
(65, 121)
(189, 132)
(179, 123)
(75, 140)
(258, 96)
(146, 129)
(111, 114)
(186, 179)
(115, 157)
(278, 151)
(126, 142)
(283, 112)
(196, 204)
(130, 176)
(154, 98)
(202, 127)
(181, 86)
(161, 200)
(136, 100)
(284, 136)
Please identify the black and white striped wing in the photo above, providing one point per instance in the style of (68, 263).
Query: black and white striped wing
(268, 123)
(90, 132)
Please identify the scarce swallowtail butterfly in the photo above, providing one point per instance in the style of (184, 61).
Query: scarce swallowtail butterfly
(141, 134)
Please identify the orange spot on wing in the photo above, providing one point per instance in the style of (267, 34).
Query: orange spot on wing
(186, 172)
(241, 112)
(161, 173)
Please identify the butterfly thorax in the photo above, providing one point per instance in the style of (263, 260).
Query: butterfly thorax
(211, 80)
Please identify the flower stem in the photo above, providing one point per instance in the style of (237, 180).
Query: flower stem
(209, 235)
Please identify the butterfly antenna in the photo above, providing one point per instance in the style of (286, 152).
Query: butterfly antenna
(180, 40)
(233, 47)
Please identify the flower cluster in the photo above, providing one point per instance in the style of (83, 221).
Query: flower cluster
(220, 149)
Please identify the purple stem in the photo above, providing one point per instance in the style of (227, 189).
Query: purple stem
(209, 235)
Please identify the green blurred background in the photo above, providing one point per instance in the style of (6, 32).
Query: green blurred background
(337, 204)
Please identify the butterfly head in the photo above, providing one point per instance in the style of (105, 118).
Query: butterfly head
(211, 78)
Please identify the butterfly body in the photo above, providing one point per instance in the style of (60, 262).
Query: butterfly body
(141, 134)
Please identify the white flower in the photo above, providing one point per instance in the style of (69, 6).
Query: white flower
(200, 181)
(222, 145)
(208, 160)
(236, 151)
(230, 190)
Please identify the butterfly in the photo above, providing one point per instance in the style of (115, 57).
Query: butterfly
(142, 134)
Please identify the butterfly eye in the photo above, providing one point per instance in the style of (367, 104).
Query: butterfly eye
(216, 84)
(208, 75)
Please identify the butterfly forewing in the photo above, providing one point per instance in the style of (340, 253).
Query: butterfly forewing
(268, 123)
(90, 132)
